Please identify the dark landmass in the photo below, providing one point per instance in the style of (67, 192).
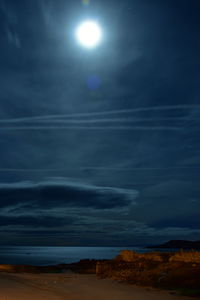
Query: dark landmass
(86, 266)
(178, 244)
(179, 271)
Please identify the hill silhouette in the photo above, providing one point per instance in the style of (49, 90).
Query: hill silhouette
(179, 244)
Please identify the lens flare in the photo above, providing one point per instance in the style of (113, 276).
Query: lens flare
(93, 82)
(86, 2)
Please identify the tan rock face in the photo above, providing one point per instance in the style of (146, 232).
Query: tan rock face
(166, 270)
(131, 256)
(187, 257)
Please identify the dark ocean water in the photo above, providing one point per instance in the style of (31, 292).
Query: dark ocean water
(56, 255)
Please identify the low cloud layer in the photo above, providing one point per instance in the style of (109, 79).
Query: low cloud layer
(63, 212)
(64, 194)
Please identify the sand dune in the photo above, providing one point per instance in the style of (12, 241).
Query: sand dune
(70, 286)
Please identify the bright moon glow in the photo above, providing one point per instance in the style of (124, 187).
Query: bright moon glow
(89, 34)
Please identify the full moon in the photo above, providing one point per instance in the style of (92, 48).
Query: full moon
(89, 34)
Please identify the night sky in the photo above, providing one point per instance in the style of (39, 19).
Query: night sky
(99, 147)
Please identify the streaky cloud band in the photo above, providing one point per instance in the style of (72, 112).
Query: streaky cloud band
(85, 168)
(108, 112)
(111, 120)
(136, 128)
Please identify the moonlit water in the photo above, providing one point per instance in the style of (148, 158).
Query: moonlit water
(57, 255)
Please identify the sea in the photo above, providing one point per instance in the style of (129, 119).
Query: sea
(43, 256)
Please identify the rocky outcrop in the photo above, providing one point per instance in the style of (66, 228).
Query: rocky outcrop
(131, 256)
(163, 270)
(181, 256)
(187, 257)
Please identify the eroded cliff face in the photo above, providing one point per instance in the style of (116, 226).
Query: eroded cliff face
(187, 257)
(166, 270)
(181, 256)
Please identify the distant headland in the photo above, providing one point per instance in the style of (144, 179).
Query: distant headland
(178, 244)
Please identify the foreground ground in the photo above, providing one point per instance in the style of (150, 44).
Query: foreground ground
(71, 286)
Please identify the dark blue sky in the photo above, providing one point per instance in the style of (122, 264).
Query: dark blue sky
(99, 147)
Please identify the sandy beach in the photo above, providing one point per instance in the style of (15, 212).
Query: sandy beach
(74, 287)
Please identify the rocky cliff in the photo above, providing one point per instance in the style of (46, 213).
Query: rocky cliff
(163, 270)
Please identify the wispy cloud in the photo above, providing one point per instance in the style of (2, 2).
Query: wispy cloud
(104, 113)
(10, 25)
(46, 10)
(13, 38)
(134, 128)
(96, 168)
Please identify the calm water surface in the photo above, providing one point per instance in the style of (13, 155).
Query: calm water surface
(57, 255)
